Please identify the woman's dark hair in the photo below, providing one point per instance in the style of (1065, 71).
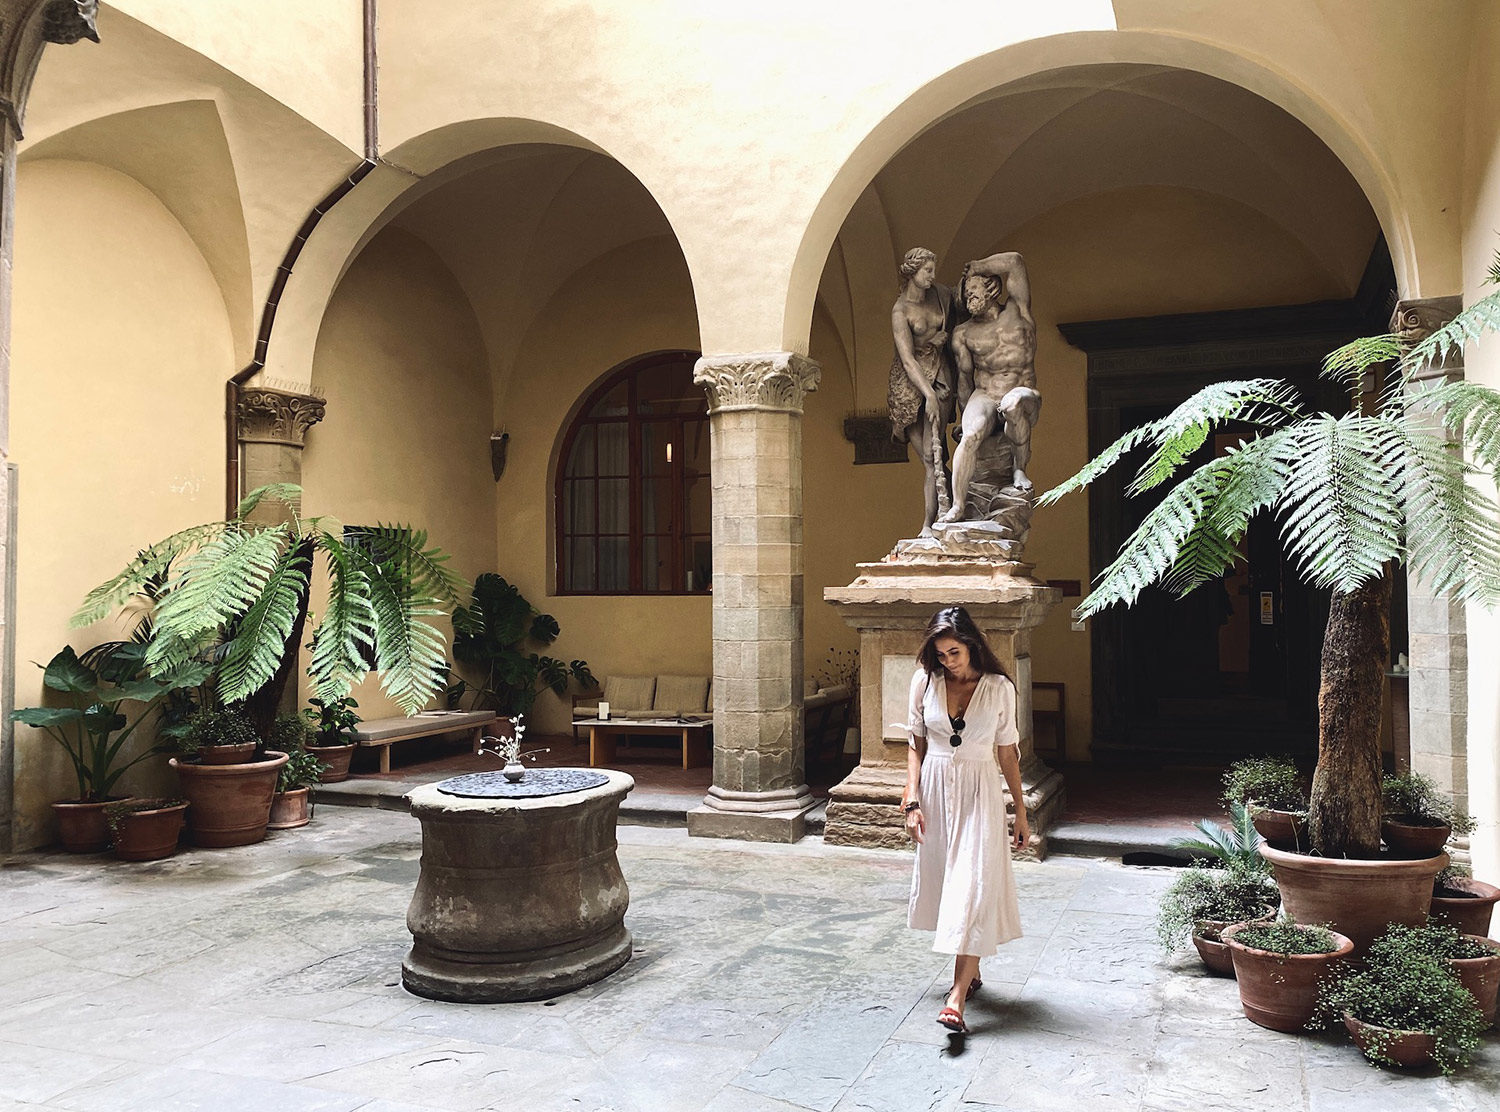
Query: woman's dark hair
(954, 622)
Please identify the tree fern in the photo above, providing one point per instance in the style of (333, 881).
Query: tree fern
(347, 632)
(1453, 530)
(149, 564)
(409, 651)
(1347, 365)
(1470, 324)
(259, 643)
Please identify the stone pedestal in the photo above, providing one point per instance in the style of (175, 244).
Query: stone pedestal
(890, 603)
(518, 899)
(759, 791)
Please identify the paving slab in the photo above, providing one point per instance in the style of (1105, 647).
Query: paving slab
(764, 978)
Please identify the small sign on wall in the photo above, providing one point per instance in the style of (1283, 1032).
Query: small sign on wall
(1267, 608)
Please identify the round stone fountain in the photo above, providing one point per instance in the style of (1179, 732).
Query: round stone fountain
(520, 895)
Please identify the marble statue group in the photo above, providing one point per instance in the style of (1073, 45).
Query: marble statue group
(969, 359)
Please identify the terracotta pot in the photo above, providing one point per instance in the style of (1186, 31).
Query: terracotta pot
(226, 754)
(231, 804)
(1356, 898)
(1412, 840)
(337, 758)
(149, 835)
(1405, 1048)
(1283, 829)
(1214, 953)
(1481, 976)
(1280, 991)
(81, 827)
(1470, 912)
(290, 810)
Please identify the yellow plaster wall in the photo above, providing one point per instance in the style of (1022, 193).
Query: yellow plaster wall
(1481, 224)
(119, 346)
(406, 437)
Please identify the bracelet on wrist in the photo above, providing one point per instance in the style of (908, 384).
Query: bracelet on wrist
(910, 806)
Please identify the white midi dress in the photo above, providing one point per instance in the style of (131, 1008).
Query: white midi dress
(962, 886)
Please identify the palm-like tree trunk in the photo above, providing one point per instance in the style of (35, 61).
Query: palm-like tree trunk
(1344, 816)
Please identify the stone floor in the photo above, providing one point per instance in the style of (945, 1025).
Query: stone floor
(766, 979)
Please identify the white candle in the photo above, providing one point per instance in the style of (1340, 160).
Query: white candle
(603, 710)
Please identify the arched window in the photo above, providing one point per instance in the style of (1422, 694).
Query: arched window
(633, 488)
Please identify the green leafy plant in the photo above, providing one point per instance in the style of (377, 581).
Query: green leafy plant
(1453, 879)
(94, 728)
(217, 726)
(1405, 986)
(1270, 783)
(1416, 800)
(1238, 845)
(1287, 937)
(495, 646)
(290, 735)
(246, 587)
(332, 720)
(1229, 895)
(1399, 479)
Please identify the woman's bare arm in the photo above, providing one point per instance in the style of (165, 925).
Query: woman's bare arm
(916, 825)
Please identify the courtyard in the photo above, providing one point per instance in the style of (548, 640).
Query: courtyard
(765, 978)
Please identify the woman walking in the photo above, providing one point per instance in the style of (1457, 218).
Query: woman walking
(963, 735)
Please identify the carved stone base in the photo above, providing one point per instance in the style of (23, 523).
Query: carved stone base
(890, 603)
(773, 816)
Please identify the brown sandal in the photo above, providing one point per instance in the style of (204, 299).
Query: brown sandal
(974, 986)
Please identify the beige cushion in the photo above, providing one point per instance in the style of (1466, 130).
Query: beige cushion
(626, 693)
(381, 729)
(681, 694)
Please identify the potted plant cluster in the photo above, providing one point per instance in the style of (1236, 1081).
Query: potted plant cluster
(291, 806)
(1202, 902)
(94, 730)
(332, 723)
(1354, 495)
(1276, 794)
(1279, 965)
(229, 800)
(1406, 1005)
(145, 829)
(1419, 818)
(1461, 902)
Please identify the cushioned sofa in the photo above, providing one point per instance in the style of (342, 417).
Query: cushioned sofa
(648, 697)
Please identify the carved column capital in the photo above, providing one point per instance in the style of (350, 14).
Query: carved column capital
(276, 416)
(1419, 317)
(775, 381)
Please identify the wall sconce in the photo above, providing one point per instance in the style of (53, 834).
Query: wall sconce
(498, 444)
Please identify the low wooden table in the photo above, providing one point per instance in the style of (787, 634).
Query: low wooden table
(696, 737)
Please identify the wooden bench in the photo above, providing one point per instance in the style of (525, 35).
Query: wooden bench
(382, 733)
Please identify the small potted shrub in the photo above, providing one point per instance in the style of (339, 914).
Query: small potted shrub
(1405, 1007)
(218, 736)
(1462, 902)
(1475, 961)
(1275, 793)
(1202, 902)
(145, 829)
(1279, 965)
(291, 806)
(230, 803)
(1419, 818)
(332, 722)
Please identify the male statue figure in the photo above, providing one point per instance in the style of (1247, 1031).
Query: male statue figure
(995, 352)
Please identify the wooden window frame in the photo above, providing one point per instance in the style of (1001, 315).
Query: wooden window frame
(675, 537)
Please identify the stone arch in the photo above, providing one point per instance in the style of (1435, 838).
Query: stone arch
(984, 75)
(400, 178)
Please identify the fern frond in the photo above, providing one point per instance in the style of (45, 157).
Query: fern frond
(1347, 365)
(220, 581)
(260, 640)
(1470, 324)
(347, 631)
(286, 494)
(1342, 513)
(1453, 529)
(427, 567)
(1468, 410)
(147, 566)
(410, 652)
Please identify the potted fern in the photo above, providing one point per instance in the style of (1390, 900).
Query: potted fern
(240, 590)
(1354, 495)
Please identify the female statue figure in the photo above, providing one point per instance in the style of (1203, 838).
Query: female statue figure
(923, 377)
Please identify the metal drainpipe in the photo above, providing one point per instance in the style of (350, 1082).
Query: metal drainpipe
(289, 260)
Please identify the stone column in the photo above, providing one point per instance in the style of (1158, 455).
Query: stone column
(273, 428)
(1438, 640)
(755, 420)
(26, 26)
